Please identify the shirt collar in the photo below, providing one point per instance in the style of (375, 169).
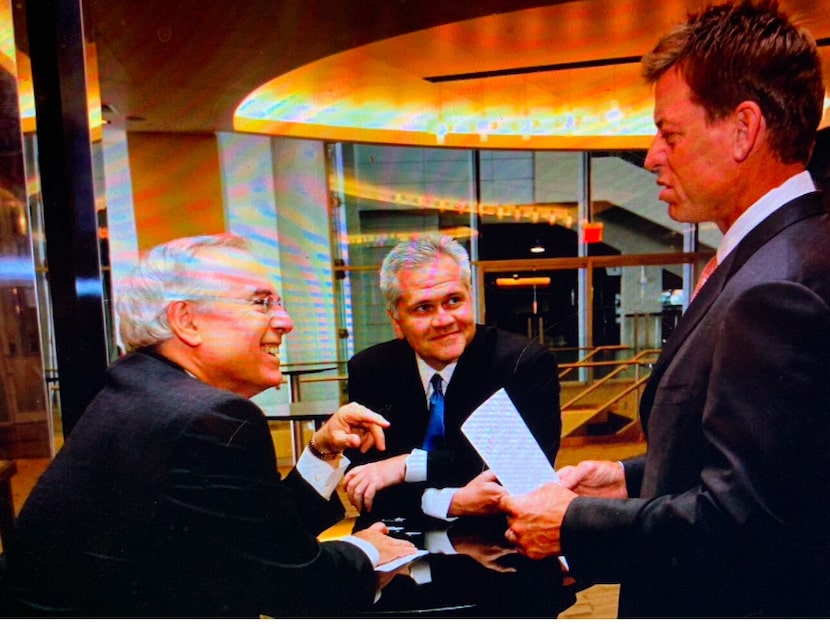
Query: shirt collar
(426, 373)
(756, 213)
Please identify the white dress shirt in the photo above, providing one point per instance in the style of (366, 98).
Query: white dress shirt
(756, 213)
(434, 502)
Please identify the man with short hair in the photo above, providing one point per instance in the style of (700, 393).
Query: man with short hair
(165, 500)
(426, 283)
(727, 514)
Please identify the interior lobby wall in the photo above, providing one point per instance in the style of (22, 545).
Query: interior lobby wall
(301, 197)
(176, 186)
(271, 190)
(121, 220)
(250, 210)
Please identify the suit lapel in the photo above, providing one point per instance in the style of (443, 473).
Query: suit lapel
(404, 373)
(467, 382)
(795, 210)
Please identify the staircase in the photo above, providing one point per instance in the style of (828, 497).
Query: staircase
(604, 405)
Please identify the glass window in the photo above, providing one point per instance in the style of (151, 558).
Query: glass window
(543, 246)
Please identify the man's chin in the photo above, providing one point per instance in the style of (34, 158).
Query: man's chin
(271, 381)
(451, 355)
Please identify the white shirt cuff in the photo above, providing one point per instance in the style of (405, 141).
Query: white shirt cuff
(371, 552)
(436, 503)
(322, 475)
(416, 466)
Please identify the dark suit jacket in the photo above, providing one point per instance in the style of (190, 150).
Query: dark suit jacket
(166, 501)
(385, 378)
(732, 515)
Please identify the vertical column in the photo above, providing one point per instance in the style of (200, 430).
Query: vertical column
(586, 338)
(302, 203)
(65, 158)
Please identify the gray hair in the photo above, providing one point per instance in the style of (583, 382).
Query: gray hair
(415, 253)
(170, 272)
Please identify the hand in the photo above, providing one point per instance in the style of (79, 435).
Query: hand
(363, 482)
(597, 478)
(352, 426)
(389, 548)
(534, 520)
(480, 496)
(486, 553)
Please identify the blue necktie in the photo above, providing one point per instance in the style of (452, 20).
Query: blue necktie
(435, 427)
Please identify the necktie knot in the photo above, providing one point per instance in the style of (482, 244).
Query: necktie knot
(436, 381)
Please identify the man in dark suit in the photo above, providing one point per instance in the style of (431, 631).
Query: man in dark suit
(727, 514)
(426, 283)
(165, 500)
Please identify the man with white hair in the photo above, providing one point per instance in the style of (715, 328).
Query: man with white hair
(165, 500)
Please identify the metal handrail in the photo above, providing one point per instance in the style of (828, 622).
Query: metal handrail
(638, 361)
(634, 386)
(623, 365)
(598, 349)
(584, 361)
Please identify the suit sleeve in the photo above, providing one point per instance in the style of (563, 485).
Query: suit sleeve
(765, 432)
(536, 390)
(226, 505)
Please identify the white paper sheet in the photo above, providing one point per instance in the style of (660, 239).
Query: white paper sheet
(504, 442)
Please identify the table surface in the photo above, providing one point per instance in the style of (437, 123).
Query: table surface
(486, 581)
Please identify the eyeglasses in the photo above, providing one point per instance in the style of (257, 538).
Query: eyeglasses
(264, 304)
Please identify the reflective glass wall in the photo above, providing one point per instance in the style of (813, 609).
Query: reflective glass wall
(572, 248)
(25, 407)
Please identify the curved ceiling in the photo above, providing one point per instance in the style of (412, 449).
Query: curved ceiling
(492, 74)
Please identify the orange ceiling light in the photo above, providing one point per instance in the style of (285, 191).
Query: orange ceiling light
(21, 67)
(354, 97)
(517, 281)
(388, 91)
(553, 77)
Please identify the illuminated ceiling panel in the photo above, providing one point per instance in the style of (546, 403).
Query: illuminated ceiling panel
(503, 92)
(558, 77)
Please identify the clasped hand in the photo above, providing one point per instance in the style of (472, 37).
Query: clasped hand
(480, 496)
(364, 481)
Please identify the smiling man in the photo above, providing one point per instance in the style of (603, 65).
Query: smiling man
(426, 283)
(165, 500)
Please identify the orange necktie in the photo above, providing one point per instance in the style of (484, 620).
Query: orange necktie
(707, 271)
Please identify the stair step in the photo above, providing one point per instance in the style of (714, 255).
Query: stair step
(573, 419)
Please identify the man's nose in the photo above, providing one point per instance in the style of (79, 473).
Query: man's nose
(442, 317)
(280, 320)
(654, 155)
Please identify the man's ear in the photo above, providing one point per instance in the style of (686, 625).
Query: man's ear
(180, 317)
(749, 124)
(395, 326)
